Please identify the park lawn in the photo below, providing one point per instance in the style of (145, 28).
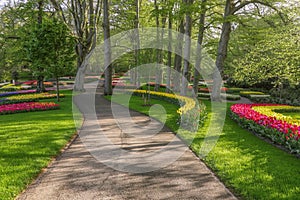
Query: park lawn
(28, 142)
(249, 166)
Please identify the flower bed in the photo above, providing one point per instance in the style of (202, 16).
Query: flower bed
(208, 90)
(10, 87)
(27, 107)
(27, 98)
(188, 111)
(34, 83)
(17, 93)
(35, 96)
(263, 120)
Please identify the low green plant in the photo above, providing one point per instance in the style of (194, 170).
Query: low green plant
(234, 90)
(248, 94)
(230, 97)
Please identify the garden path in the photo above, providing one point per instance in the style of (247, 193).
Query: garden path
(76, 174)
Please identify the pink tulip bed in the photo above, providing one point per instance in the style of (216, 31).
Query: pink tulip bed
(27, 107)
(263, 119)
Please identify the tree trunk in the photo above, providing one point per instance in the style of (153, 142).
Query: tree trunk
(137, 41)
(222, 52)
(40, 87)
(158, 51)
(81, 67)
(168, 89)
(40, 80)
(57, 89)
(107, 50)
(199, 47)
(178, 57)
(187, 50)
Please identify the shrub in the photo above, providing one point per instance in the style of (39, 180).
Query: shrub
(248, 93)
(230, 97)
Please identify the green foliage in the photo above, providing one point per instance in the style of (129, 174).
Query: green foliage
(230, 97)
(273, 61)
(49, 48)
(249, 93)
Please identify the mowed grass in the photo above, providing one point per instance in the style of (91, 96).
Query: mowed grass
(249, 166)
(28, 142)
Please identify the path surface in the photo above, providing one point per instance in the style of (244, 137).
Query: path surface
(78, 175)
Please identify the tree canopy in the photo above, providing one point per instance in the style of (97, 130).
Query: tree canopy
(253, 42)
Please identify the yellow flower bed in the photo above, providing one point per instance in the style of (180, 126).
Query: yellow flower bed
(33, 96)
(189, 103)
(10, 87)
(270, 112)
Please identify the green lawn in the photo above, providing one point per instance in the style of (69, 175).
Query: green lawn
(28, 141)
(250, 167)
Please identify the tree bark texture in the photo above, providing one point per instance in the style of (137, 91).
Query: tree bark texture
(187, 50)
(222, 52)
(178, 57)
(107, 50)
(199, 47)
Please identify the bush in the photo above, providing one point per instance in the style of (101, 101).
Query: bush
(230, 97)
(248, 94)
(204, 95)
(234, 90)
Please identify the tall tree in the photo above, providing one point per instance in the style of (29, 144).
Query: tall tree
(159, 43)
(231, 9)
(137, 40)
(170, 41)
(85, 18)
(50, 49)
(178, 56)
(40, 80)
(199, 46)
(107, 50)
(187, 47)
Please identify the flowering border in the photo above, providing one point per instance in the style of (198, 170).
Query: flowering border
(27, 107)
(5, 94)
(190, 116)
(35, 96)
(261, 119)
(27, 98)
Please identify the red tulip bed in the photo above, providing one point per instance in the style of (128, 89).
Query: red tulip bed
(27, 107)
(25, 101)
(263, 119)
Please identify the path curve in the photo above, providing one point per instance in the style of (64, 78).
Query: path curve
(77, 175)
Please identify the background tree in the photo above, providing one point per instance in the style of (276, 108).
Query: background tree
(187, 47)
(49, 49)
(107, 50)
(83, 18)
(230, 13)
